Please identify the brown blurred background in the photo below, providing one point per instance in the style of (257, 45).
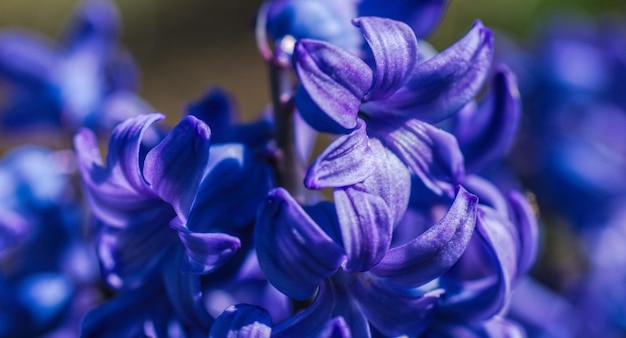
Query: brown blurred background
(183, 47)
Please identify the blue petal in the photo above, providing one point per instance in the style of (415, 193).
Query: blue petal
(482, 297)
(394, 312)
(394, 47)
(431, 153)
(206, 251)
(442, 85)
(217, 109)
(294, 252)
(26, 59)
(348, 160)
(486, 134)
(422, 16)
(242, 321)
(332, 79)
(233, 171)
(307, 323)
(96, 23)
(336, 328)
(525, 220)
(175, 167)
(436, 250)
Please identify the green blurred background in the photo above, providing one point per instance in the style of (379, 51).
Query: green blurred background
(183, 47)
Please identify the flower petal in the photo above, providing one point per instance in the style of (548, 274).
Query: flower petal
(348, 160)
(123, 160)
(175, 167)
(26, 59)
(394, 47)
(184, 290)
(525, 221)
(486, 134)
(422, 16)
(308, 322)
(293, 251)
(483, 297)
(332, 79)
(442, 85)
(206, 252)
(366, 226)
(336, 328)
(436, 250)
(242, 321)
(232, 172)
(431, 153)
(395, 312)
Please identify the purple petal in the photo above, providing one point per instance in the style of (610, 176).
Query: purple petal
(95, 23)
(525, 220)
(175, 167)
(308, 322)
(26, 58)
(436, 250)
(422, 16)
(242, 321)
(123, 159)
(487, 193)
(233, 171)
(334, 80)
(206, 252)
(185, 293)
(366, 226)
(431, 153)
(217, 109)
(395, 312)
(130, 256)
(488, 295)
(348, 308)
(336, 328)
(394, 47)
(486, 134)
(293, 251)
(348, 160)
(442, 85)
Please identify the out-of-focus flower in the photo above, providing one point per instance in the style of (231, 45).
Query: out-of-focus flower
(72, 84)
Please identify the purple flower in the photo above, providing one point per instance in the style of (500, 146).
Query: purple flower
(69, 85)
(180, 207)
(398, 97)
(302, 254)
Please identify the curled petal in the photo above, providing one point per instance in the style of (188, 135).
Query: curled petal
(206, 251)
(487, 193)
(525, 220)
(332, 79)
(394, 47)
(366, 226)
(348, 160)
(294, 252)
(242, 321)
(483, 297)
(431, 153)
(487, 133)
(436, 250)
(175, 166)
(442, 85)
(308, 322)
(393, 311)
(123, 159)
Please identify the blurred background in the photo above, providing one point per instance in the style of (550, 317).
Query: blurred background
(184, 47)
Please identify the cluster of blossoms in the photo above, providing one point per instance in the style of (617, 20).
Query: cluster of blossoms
(407, 223)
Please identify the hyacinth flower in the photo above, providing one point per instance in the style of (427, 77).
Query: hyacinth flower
(176, 222)
(398, 98)
(286, 21)
(48, 275)
(71, 84)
